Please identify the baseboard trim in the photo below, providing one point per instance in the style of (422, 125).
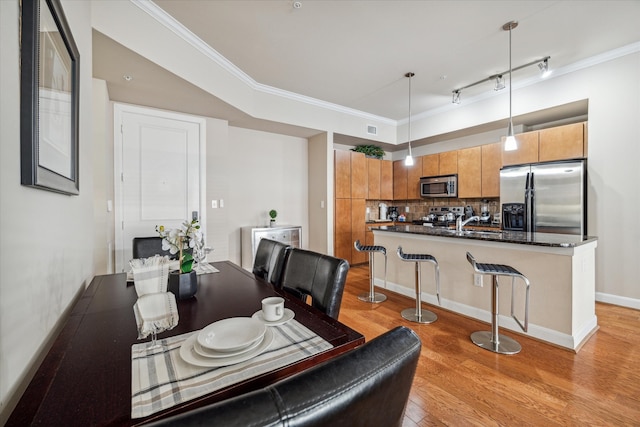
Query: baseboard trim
(618, 300)
(566, 341)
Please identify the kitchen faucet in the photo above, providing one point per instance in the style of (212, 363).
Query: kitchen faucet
(460, 223)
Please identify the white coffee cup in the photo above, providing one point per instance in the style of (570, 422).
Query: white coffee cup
(272, 308)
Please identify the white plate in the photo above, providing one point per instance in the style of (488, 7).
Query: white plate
(230, 335)
(288, 315)
(205, 352)
(189, 355)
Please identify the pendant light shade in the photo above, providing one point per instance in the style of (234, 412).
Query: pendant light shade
(510, 142)
(408, 161)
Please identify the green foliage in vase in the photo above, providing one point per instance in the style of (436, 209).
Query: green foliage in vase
(273, 213)
(370, 150)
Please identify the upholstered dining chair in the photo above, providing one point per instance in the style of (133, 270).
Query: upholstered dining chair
(145, 247)
(269, 260)
(322, 277)
(367, 386)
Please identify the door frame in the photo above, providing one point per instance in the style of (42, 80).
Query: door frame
(119, 109)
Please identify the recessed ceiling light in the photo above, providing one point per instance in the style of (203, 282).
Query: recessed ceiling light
(127, 77)
(297, 5)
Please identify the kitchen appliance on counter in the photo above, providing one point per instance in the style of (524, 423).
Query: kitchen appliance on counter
(382, 211)
(439, 186)
(441, 216)
(545, 197)
(393, 213)
(485, 213)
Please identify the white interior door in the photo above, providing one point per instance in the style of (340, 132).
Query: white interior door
(159, 170)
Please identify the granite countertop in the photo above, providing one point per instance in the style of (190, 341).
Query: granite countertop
(539, 239)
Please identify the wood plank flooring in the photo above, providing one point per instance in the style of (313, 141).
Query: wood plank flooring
(460, 384)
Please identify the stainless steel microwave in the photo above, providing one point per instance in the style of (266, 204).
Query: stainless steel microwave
(439, 186)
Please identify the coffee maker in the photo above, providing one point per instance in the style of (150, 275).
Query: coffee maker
(393, 213)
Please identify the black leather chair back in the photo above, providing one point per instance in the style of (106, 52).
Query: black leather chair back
(317, 275)
(145, 247)
(367, 386)
(269, 260)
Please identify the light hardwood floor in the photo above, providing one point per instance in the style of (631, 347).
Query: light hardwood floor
(460, 384)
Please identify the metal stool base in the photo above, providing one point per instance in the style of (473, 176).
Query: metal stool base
(505, 345)
(412, 315)
(375, 297)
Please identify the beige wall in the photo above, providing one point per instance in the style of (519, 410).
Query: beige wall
(44, 256)
(320, 162)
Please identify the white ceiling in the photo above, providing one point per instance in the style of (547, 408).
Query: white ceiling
(355, 53)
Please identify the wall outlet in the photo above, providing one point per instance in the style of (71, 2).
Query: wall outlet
(477, 280)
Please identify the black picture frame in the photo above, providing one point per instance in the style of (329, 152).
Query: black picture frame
(49, 99)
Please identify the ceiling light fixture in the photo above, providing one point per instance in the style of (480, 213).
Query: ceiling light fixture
(499, 83)
(510, 143)
(544, 68)
(127, 77)
(455, 99)
(408, 161)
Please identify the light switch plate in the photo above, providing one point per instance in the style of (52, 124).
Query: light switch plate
(214, 204)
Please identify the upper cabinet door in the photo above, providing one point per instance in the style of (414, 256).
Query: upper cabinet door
(469, 172)
(386, 180)
(448, 163)
(527, 151)
(562, 142)
(358, 175)
(413, 179)
(399, 180)
(491, 164)
(431, 165)
(373, 173)
(342, 174)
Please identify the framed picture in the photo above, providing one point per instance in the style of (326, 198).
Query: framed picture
(49, 96)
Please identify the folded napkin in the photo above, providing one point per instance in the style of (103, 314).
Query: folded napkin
(155, 312)
(161, 379)
(150, 275)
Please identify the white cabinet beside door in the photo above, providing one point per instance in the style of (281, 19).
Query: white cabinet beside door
(288, 234)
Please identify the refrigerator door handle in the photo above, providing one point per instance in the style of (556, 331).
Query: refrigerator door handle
(532, 203)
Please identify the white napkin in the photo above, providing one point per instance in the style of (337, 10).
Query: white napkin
(150, 275)
(155, 312)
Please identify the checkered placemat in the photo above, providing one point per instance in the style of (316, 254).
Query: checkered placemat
(162, 379)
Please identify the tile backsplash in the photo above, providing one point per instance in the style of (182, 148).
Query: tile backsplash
(420, 208)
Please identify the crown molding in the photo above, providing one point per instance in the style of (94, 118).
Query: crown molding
(181, 31)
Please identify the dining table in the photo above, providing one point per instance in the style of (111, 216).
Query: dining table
(86, 377)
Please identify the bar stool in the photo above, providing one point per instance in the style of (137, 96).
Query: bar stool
(418, 314)
(493, 341)
(372, 295)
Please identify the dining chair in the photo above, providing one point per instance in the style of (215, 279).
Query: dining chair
(367, 386)
(269, 260)
(322, 277)
(145, 247)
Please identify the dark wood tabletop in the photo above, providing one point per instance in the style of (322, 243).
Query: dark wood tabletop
(85, 379)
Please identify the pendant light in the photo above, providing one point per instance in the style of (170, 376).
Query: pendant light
(510, 143)
(408, 161)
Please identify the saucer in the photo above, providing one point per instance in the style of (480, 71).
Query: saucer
(288, 315)
(189, 354)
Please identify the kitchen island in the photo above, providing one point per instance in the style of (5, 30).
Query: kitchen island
(560, 267)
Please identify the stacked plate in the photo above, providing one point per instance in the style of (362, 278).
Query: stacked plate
(227, 342)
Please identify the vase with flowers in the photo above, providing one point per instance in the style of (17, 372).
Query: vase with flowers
(183, 240)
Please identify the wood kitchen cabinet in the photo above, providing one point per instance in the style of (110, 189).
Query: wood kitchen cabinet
(491, 164)
(386, 180)
(358, 229)
(562, 142)
(342, 232)
(431, 165)
(406, 179)
(527, 151)
(342, 174)
(373, 181)
(470, 172)
(358, 175)
(448, 163)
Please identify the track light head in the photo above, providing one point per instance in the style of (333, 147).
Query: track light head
(455, 99)
(544, 68)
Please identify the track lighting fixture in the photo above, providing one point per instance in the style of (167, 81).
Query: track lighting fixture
(408, 161)
(455, 99)
(499, 83)
(544, 68)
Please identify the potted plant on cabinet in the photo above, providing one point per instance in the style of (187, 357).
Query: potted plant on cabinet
(272, 214)
(369, 151)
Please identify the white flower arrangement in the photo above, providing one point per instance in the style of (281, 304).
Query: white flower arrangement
(180, 240)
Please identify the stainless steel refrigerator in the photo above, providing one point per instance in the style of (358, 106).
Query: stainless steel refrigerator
(546, 197)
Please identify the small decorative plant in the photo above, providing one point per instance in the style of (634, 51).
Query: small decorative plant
(369, 150)
(273, 214)
(179, 240)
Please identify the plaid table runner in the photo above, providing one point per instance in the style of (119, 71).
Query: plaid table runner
(161, 379)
